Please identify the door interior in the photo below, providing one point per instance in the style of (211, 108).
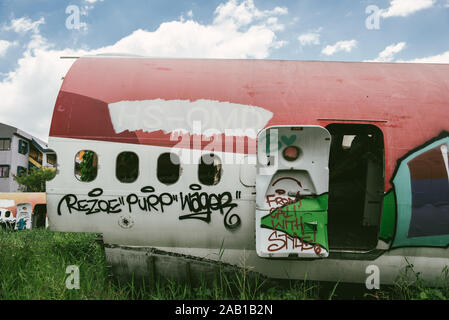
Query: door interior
(292, 183)
(39, 216)
(356, 186)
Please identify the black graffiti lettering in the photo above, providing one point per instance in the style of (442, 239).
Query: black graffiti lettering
(112, 208)
(131, 199)
(71, 200)
(103, 205)
(195, 187)
(82, 205)
(201, 205)
(214, 202)
(165, 196)
(147, 189)
(93, 208)
(153, 204)
(95, 192)
(143, 204)
(232, 221)
(228, 201)
(198, 216)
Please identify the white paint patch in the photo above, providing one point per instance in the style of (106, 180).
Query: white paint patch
(207, 117)
(5, 203)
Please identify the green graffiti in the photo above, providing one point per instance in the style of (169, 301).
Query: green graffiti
(387, 223)
(305, 219)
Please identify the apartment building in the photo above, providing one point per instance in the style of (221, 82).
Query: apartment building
(19, 153)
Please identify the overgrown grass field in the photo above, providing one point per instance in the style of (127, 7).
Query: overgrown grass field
(33, 266)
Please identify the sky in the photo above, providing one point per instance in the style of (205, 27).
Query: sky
(34, 34)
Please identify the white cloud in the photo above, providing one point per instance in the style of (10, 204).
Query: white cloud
(24, 24)
(233, 13)
(239, 30)
(440, 58)
(403, 8)
(5, 45)
(347, 46)
(389, 52)
(93, 1)
(311, 38)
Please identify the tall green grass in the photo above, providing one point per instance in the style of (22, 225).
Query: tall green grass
(33, 266)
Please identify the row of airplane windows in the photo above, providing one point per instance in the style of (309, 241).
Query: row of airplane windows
(127, 167)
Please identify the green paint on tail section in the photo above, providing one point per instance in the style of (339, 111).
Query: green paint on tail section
(388, 216)
(311, 211)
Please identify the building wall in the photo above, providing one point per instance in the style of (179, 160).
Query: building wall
(5, 159)
(5, 156)
(17, 159)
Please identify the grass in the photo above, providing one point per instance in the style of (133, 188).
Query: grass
(33, 266)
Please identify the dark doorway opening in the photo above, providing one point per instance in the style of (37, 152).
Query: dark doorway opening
(356, 186)
(39, 216)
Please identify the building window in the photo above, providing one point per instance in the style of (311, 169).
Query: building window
(21, 171)
(209, 170)
(35, 155)
(86, 165)
(4, 171)
(168, 168)
(51, 159)
(5, 144)
(23, 146)
(127, 167)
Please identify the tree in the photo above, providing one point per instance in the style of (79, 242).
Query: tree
(88, 166)
(34, 180)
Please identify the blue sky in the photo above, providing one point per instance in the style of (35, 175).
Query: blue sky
(34, 34)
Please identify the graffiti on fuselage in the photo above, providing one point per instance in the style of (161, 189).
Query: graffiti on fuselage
(283, 217)
(421, 187)
(283, 220)
(201, 205)
(21, 224)
(295, 221)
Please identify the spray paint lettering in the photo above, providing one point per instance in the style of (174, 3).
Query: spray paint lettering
(200, 204)
(21, 224)
(281, 240)
(203, 204)
(288, 220)
(293, 219)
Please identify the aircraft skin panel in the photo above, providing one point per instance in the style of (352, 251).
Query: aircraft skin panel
(391, 96)
(194, 215)
(429, 263)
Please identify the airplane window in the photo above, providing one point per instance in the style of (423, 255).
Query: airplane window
(168, 168)
(86, 165)
(127, 167)
(209, 170)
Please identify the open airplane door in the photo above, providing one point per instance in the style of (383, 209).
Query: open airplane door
(292, 183)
